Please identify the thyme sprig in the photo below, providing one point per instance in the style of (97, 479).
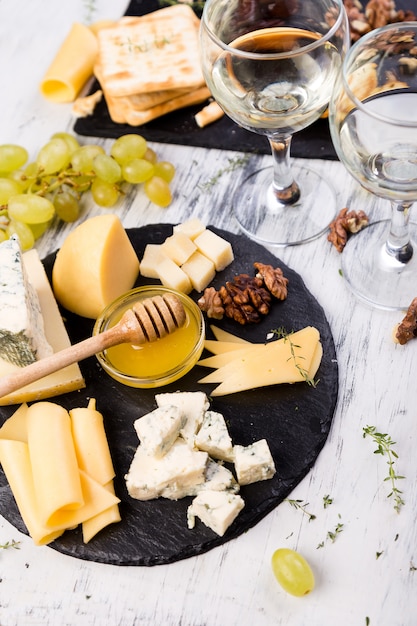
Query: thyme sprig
(385, 448)
(10, 544)
(281, 333)
(301, 506)
(234, 164)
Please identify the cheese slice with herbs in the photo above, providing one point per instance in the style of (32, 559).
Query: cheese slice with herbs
(25, 278)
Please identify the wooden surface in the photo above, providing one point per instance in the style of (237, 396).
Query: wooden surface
(367, 574)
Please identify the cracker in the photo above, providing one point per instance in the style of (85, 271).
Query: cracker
(155, 52)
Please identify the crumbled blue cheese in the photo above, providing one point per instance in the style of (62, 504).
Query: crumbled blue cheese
(216, 509)
(254, 462)
(22, 335)
(158, 429)
(180, 468)
(214, 438)
(193, 405)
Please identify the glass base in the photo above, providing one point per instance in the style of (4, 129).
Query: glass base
(263, 218)
(375, 277)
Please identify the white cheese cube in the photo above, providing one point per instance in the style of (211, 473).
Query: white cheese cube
(213, 437)
(193, 405)
(151, 257)
(173, 276)
(192, 228)
(217, 478)
(215, 248)
(158, 429)
(216, 509)
(149, 476)
(178, 247)
(254, 462)
(200, 270)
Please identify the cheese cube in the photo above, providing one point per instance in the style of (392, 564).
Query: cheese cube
(213, 437)
(151, 257)
(149, 476)
(216, 509)
(215, 248)
(218, 478)
(178, 247)
(173, 276)
(158, 429)
(200, 270)
(193, 405)
(254, 462)
(192, 228)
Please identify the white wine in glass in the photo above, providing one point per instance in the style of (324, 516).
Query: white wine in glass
(271, 66)
(373, 122)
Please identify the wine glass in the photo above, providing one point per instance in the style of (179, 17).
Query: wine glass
(271, 66)
(373, 123)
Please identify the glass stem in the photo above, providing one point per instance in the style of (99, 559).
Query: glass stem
(285, 188)
(398, 244)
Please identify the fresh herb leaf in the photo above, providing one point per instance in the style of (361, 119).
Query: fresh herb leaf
(299, 504)
(234, 164)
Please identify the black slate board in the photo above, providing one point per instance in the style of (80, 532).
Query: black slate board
(180, 128)
(295, 420)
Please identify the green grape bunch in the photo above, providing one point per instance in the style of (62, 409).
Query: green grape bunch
(32, 194)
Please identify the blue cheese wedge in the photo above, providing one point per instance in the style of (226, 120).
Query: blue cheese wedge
(254, 462)
(22, 333)
(193, 405)
(214, 438)
(216, 509)
(180, 468)
(158, 429)
(218, 478)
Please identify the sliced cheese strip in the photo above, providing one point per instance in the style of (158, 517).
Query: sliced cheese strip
(287, 360)
(224, 335)
(15, 460)
(90, 443)
(95, 524)
(15, 427)
(72, 66)
(54, 462)
(69, 378)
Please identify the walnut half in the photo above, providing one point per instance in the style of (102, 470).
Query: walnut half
(407, 329)
(346, 223)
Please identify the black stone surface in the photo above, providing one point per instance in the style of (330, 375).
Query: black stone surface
(295, 420)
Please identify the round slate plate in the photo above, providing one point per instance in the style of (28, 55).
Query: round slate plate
(295, 420)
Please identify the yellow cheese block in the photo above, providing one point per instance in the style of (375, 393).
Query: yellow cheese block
(293, 359)
(69, 378)
(72, 66)
(95, 265)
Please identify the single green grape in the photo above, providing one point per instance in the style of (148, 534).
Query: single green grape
(23, 231)
(104, 194)
(150, 155)
(128, 147)
(12, 157)
(39, 229)
(292, 572)
(9, 188)
(158, 191)
(165, 170)
(82, 159)
(70, 140)
(137, 171)
(107, 168)
(30, 208)
(54, 156)
(20, 177)
(66, 206)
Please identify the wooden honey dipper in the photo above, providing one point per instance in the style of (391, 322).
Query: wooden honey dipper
(147, 321)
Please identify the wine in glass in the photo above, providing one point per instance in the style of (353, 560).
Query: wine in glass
(373, 122)
(271, 66)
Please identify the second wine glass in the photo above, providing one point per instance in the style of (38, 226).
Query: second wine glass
(271, 66)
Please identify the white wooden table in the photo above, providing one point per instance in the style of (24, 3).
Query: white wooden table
(367, 574)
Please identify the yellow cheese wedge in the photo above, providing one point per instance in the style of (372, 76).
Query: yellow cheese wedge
(72, 66)
(96, 264)
(224, 335)
(292, 359)
(69, 378)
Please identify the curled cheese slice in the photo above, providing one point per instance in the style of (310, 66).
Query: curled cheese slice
(15, 460)
(72, 66)
(54, 462)
(94, 524)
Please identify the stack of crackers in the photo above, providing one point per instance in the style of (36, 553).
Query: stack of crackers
(150, 65)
